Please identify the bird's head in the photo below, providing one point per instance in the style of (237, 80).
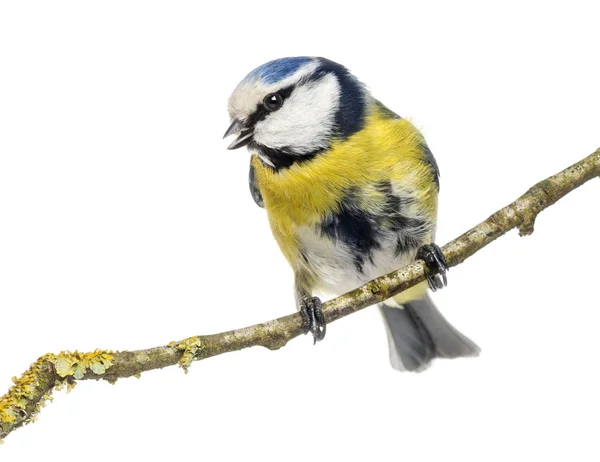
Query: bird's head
(291, 109)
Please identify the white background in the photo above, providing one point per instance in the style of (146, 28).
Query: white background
(125, 223)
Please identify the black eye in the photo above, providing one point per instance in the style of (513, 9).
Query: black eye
(273, 101)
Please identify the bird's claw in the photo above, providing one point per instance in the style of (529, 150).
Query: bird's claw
(313, 319)
(433, 257)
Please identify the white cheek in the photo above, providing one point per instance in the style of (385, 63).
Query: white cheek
(306, 120)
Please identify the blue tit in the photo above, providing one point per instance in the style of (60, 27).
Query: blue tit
(350, 189)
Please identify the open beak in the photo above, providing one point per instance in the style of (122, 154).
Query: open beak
(244, 135)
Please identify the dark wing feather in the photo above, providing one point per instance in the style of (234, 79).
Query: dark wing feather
(256, 195)
(431, 160)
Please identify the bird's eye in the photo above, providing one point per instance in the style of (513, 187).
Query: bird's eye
(273, 101)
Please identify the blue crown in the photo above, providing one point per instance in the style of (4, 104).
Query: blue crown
(278, 69)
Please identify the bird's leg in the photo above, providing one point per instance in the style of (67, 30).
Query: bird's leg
(313, 318)
(310, 308)
(433, 257)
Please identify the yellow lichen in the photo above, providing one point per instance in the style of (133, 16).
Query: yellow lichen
(30, 392)
(76, 364)
(16, 406)
(191, 348)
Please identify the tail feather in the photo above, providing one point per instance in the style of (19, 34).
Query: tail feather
(418, 333)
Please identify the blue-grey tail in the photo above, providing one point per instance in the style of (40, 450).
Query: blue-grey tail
(418, 333)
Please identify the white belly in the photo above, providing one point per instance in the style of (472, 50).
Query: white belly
(334, 264)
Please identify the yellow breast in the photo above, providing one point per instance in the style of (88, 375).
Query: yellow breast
(385, 149)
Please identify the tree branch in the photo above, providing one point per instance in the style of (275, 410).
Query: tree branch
(30, 391)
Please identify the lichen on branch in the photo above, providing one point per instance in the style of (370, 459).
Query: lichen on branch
(30, 392)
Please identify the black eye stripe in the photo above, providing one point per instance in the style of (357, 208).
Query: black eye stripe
(287, 91)
(259, 114)
(262, 112)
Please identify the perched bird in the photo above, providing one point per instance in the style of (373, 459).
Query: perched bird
(350, 189)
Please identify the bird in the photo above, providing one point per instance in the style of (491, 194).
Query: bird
(350, 189)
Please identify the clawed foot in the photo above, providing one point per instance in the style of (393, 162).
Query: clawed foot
(433, 257)
(313, 319)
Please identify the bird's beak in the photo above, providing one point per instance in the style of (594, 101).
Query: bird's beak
(244, 134)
